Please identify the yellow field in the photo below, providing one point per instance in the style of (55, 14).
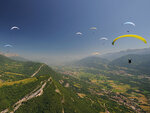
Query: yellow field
(24, 81)
(143, 100)
(10, 73)
(122, 88)
(146, 108)
(81, 95)
(94, 81)
(77, 85)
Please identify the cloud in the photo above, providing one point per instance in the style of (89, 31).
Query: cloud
(103, 38)
(96, 53)
(78, 33)
(93, 28)
(14, 27)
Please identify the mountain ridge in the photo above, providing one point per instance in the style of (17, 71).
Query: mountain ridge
(113, 56)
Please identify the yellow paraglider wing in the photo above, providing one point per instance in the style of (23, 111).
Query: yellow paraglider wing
(130, 35)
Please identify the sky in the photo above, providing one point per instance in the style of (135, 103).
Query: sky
(48, 27)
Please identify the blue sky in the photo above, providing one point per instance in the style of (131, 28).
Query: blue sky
(48, 28)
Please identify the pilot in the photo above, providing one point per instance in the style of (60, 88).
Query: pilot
(129, 61)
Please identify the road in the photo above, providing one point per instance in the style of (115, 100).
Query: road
(34, 93)
(38, 91)
(37, 70)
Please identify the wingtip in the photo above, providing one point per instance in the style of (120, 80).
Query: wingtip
(112, 43)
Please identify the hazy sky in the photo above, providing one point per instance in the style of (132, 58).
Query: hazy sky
(48, 27)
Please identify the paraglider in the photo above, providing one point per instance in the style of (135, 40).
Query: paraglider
(78, 33)
(129, 61)
(130, 23)
(129, 27)
(14, 27)
(93, 28)
(103, 38)
(8, 46)
(130, 35)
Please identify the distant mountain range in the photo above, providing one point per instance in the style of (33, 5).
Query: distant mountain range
(113, 56)
(92, 61)
(18, 58)
(139, 62)
(14, 56)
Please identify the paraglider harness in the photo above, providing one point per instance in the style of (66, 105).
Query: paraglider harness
(129, 61)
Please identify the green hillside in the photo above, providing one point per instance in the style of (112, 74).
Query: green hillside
(11, 70)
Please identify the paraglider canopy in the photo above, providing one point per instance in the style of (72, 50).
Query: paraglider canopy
(78, 33)
(8, 45)
(103, 38)
(130, 23)
(93, 28)
(130, 35)
(14, 27)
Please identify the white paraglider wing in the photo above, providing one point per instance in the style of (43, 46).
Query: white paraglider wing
(14, 27)
(130, 23)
